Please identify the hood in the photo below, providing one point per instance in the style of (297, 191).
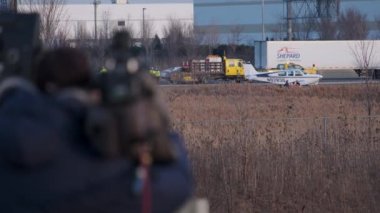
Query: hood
(28, 144)
(28, 134)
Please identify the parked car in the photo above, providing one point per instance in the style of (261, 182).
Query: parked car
(165, 74)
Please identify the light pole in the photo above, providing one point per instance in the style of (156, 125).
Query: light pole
(262, 20)
(96, 2)
(289, 18)
(143, 24)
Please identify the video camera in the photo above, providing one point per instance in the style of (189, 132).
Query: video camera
(129, 116)
(120, 84)
(19, 43)
(109, 125)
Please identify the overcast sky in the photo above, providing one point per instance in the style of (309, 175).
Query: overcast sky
(130, 1)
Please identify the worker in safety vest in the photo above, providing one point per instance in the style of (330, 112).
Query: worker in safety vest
(314, 68)
(103, 69)
(155, 73)
(287, 65)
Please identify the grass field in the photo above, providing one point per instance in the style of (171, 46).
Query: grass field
(273, 149)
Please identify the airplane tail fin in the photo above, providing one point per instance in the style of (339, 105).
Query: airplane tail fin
(249, 71)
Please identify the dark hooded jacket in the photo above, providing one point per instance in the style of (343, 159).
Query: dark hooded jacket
(46, 165)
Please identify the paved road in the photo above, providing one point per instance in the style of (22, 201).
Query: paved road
(329, 77)
(345, 74)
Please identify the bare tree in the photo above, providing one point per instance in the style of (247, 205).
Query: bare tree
(104, 32)
(212, 37)
(123, 25)
(277, 32)
(157, 51)
(303, 28)
(82, 36)
(352, 25)
(51, 14)
(146, 31)
(146, 35)
(199, 35)
(106, 26)
(363, 52)
(235, 37)
(327, 29)
(61, 37)
(377, 22)
(175, 36)
(128, 26)
(193, 40)
(364, 55)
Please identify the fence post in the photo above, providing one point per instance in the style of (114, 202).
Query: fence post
(325, 129)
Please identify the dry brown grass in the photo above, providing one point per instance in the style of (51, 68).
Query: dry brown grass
(272, 149)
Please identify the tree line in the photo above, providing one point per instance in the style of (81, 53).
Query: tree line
(181, 41)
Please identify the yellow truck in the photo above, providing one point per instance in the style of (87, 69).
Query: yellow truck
(214, 67)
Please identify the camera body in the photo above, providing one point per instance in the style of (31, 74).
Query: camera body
(129, 116)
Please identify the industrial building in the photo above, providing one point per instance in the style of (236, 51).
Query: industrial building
(267, 19)
(79, 18)
(222, 21)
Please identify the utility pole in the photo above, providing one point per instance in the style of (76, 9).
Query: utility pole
(262, 21)
(289, 16)
(96, 2)
(308, 9)
(143, 25)
(143, 34)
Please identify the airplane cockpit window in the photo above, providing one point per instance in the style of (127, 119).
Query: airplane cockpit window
(298, 73)
(283, 73)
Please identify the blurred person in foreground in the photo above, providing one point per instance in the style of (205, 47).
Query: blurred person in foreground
(49, 164)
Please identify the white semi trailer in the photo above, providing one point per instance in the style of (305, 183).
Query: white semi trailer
(357, 55)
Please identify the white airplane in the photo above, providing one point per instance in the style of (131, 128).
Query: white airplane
(281, 77)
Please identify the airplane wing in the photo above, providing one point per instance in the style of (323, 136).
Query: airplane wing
(252, 74)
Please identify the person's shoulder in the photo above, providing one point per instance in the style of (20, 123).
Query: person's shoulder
(73, 101)
(175, 136)
(177, 139)
(179, 143)
(13, 88)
